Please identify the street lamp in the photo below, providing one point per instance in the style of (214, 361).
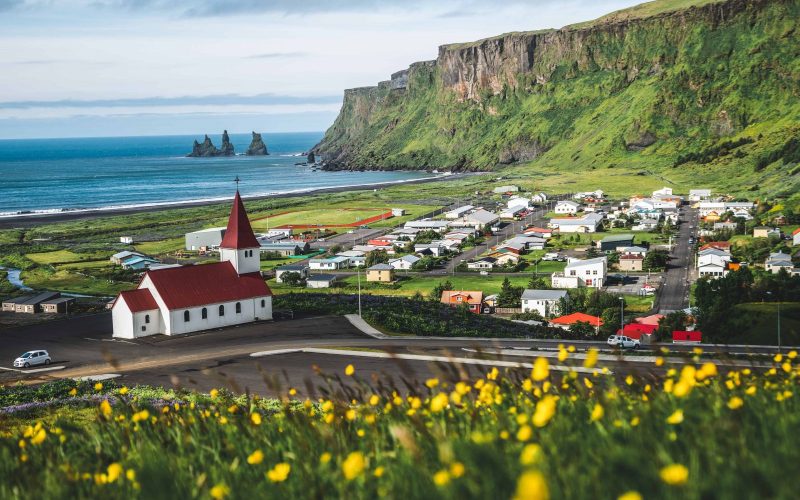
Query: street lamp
(358, 273)
(621, 314)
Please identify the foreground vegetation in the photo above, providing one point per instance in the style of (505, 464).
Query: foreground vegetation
(535, 434)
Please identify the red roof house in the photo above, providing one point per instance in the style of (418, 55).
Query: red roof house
(455, 298)
(578, 317)
(653, 319)
(636, 330)
(687, 337)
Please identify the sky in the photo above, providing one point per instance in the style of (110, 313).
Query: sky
(89, 68)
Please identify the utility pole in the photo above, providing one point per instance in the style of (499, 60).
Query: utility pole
(358, 273)
(621, 315)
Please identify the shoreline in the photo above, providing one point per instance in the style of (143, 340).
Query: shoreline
(34, 218)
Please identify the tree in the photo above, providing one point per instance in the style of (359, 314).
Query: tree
(592, 252)
(677, 320)
(611, 320)
(656, 260)
(538, 283)
(335, 249)
(509, 296)
(375, 257)
(436, 293)
(293, 279)
(581, 329)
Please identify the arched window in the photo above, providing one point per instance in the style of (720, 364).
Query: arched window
(222, 310)
(238, 307)
(204, 313)
(186, 316)
(263, 302)
(147, 318)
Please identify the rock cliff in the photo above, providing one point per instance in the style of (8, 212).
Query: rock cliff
(257, 146)
(634, 88)
(207, 148)
(227, 148)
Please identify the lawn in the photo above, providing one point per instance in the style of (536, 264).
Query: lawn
(759, 324)
(71, 281)
(161, 247)
(64, 256)
(318, 216)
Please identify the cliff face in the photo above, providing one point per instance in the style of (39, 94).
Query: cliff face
(613, 91)
(257, 146)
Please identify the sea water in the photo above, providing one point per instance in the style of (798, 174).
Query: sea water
(55, 175)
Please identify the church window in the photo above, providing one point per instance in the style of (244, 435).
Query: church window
(204, 313)
(238, 307)
(147, 318)
(186, 316)
(222, 310)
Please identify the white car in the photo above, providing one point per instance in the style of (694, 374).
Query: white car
(624, 342)
(32, 358)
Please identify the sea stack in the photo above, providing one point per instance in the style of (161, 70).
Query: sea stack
(257, 146)
(203, 150)
(227, 148)
(311, 158)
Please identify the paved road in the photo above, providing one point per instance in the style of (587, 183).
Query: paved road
(674, 295)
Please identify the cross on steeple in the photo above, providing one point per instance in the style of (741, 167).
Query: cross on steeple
(237, 181)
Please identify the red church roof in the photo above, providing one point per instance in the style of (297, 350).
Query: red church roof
(139, 300)
(239, 233)
(578, 317)
(193, 286)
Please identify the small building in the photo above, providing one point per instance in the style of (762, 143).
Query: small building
(777, 261)
(473, 299)
(458, 212)
(634, 250)
(539, 231)
(631, 262)
(766, 232)
(546, 302)
(477, 220)
(127, 240)
(582, 273)
(504, 257)
(329, 264)
(33, 304)
(567, 207)
(205, 238)
(285, 249)
(427, 225)
(512, 212)
(118, 257)
(796, 237)
(506, 189)
(696, 195)
(58, 305)
(281, 271)
(725, 226)
(10, 305)
(321, 280)
(613, 242)
(638, 331)
(398, 212)
(586, 224)
(539, 198)
(382, 273)
(404, 263)
(566, 322)
(485, 264)
(137, 263)
(434, 249)
(687, 337)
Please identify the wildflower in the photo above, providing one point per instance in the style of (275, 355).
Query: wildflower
(293, 392)
(39, 436)
(353, 465)
(588, 383)
(531, 485)
(141, 415)
(123, 391)
(629, 380)
(130, 474)
(792, 354)
(374, 400)
(279, 473)
(432, 383)
(778, 358)
(541, 369)
(255, 458)
(98, 386)
(562, 353)
(255, 418)
(493, 374)
(597, 412)
(113, 472)
(735, 403)
(349, 370)
(233, 409)
(439, 402)
(524, 433)
(457, 469)
(659, 361)
(378, 472)
(73, 391)
(105, 408)
(350, 414)
(462, 388)
(531, 454)
(220, 491)
(635, 421)
(630, 495)
(591, 358)
(706, 371)
(676, 417)
(213, 393)
(750, 390)
(545, 409)
(441, 478)
(675, 474)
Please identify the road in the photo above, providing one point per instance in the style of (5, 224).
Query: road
(674, 294)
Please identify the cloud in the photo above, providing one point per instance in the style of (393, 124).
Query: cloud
(276, 55)
(207, 100)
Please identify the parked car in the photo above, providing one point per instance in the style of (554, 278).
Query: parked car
(624, 342)
(32, 358)
(551, 256)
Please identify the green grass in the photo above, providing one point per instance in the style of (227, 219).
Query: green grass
(760, 324)
(71, 281)
(320, 216)
(161, 247)
(65, 256)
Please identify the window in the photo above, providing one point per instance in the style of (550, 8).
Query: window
(263, 303)
(185, 316)
(147, 318)
(238, 307)
(144, 328)
(204, 313)
(222, 310)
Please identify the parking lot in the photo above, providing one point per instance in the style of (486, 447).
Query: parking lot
(633, 284)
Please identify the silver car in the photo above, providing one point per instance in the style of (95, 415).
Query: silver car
(32, 358)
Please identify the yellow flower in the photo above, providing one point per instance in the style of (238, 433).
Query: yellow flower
(457, 469)
(441, 478)
(541, 369)
(293, 392)
(545, 409)
(98, 386)
(141, 416)
(213, 393)
(374, 400)
(778, 358)
(378, 472)
(675, 474)
(750, 390)
(130, 474)
(531, 454)
(597, 412)
(350, 414)
(432, 382)
(735, 403)
(629, 380)
(635, 421)
(676, 418)
(630, 495)
(591, 358)
(531, 485)
(255, 458)
(123, 391)
(73, 391)
(233, 409)
(349, 370)
(439, 402)
(220, 491)
(105, 408)
(39, 437)
(325, 458)
(792, 354)
(255, 418)
(524, 433)
(562, 353)
(114, 472)
(659, 361)
(279, 473)
(353, 465)
(588, 383)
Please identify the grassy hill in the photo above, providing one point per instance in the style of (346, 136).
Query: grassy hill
(702, 92)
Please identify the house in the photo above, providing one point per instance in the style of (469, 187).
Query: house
(127, 240)
(653, 319)
(329, 263)
(687, 337)
(504, 257)
(518, 202)
(404, 263)
(139, 262)
(288, 249)
(766, 232)
(645, 224)
(565, 322)
(281, 233)
(118, 257)
(383, 273)
(458, 212)
(204, 238)
(9, 305)
(426, 225)
(478, 219)
(29, 304)
(58, 305)
(598, 195)
(539, 231)
(434, 249)
(634, 250)
(613, 242)
(582, 273)
(398, 212)
(539, 198)
(796, 237)
(505, 189)
(725, 226)
(526, 242)
(485, 263)
(192, 298)
(637, 331)
(696, 195)
(777, 261)
(321, 281)
(567, 207)
(631, 262)
(586, 224)
(512, 212)
(663, 192)
(473, 299)
(546, 302)
(713, 262)
(355, 258)
(281, 271)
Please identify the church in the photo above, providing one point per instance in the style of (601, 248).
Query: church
(185, 299)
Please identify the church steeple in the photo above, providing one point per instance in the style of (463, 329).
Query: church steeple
(239, 245)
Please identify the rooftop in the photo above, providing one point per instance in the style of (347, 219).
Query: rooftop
(544, 294)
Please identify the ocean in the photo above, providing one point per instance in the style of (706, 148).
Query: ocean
(55, 175)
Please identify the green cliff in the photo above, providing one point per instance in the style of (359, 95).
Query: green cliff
(702, 90)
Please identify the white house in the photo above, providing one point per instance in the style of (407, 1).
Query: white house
(204, 238)
(665, 191)
(355, 258)
(567, 207)
(546, 302)
(128, 240)
(118, 257)
(281, 271)
(539, 198)
(696, 195)
(425, 225)
(321, 281)
(511, 212)
(582, 273)
(777, 261)
(485, 263)
(435, 249)
(458, 212)
(586, 224)
(404, 263)
(712, 263)
(476, 220)
(329, 264)
(187, 299)
(519, 201)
